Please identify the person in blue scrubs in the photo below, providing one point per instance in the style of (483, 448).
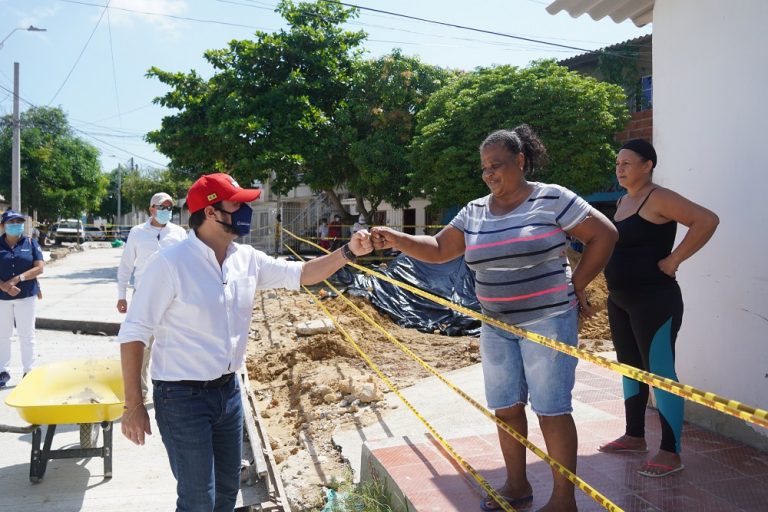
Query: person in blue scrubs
(21, 261)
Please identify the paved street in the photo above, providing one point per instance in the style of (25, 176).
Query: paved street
(80, 290)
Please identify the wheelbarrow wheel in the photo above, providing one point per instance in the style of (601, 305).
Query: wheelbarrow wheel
(89, 435)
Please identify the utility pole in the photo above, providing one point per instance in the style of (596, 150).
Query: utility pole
(16, 145)
(119, 194)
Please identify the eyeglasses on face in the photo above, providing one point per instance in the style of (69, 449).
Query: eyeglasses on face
(162, 207)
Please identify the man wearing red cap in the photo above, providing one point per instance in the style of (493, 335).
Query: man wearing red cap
(199, 306)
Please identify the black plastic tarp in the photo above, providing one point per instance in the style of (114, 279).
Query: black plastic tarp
(452, 281)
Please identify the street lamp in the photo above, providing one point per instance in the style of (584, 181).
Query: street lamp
(16, 144)
(30, 28)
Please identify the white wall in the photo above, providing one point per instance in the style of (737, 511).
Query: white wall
(395, 215)
(710, 63)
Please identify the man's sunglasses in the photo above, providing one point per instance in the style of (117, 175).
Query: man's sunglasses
(162, 207)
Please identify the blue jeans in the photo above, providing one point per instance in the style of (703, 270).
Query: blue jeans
(515, 368)
(202, 430)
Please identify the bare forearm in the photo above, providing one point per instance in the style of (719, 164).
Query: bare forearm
(697, 236)
(131, 355)
(33, 272)
(322, 268)
(423, 247)
(594, 258)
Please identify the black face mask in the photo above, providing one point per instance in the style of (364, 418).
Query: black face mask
(241, 220)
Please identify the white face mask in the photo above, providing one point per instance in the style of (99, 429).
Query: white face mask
(163, 216)
(14, 229)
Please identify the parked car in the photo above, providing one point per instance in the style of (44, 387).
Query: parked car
(118, 232)
(95, 233)
(69, 230)
(46, 234)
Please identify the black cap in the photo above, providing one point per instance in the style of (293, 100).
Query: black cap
(642, 148)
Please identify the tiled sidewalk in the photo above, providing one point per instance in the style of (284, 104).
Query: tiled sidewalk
(720, 474)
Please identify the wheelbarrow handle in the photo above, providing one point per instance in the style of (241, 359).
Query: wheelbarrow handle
(18, 430)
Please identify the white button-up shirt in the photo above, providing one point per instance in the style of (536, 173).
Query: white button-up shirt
(200, 312)
(144, 240)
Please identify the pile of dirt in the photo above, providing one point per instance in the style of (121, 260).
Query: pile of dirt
(594, 333)
(308, 386)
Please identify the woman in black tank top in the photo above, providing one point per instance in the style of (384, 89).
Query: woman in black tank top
(645, 306)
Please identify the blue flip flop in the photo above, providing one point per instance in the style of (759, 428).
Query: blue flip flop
(515, 502)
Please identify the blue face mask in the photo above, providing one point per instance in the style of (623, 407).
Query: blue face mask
(241, 220)
(14, 229)
(163, 216)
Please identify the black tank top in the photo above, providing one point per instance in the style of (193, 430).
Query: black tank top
(641, 244)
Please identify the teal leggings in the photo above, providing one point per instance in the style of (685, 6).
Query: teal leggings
(644, 325)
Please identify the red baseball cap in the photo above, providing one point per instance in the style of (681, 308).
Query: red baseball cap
(212, 188)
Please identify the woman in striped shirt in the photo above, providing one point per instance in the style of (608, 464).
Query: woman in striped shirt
(514, 239)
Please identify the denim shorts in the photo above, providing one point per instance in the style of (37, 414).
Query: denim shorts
(515, 367)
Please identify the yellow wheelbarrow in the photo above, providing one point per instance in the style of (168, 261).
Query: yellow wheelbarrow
(84, 392)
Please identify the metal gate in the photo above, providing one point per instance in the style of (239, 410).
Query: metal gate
(301, 217)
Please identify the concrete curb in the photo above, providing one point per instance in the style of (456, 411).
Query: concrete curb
(83, 326)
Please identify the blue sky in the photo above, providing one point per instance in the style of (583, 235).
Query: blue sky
(109, 100)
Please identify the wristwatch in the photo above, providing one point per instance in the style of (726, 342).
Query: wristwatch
(21, 277)
(348, 254)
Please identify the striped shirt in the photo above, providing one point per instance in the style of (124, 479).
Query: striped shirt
(521, 270)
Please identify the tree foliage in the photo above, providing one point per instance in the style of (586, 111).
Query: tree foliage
(139, 187)
(108, 204)
(386, 96)
(575, 116)
(60, 174)
(301, 106)
(270, 110)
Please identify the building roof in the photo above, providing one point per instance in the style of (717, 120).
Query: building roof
(639, 42)
(639, 11)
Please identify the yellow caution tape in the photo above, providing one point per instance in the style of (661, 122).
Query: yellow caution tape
(708, 399)
(463, 463)
(581, 484)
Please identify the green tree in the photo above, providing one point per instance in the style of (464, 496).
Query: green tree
(139, 187)
(108, 205)
(60, 174)
(386, 96)
(272, 108)
(575, 116)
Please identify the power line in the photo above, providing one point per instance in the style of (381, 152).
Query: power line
(164, 15)
(126, 112)
(114, 71)
(117, 131)
(87, 134)
(20, 97)
(118, 148)
(272, 7)
(445, 24)
(114, 136)
(81, 53)
(462, 27)
(464, 46)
